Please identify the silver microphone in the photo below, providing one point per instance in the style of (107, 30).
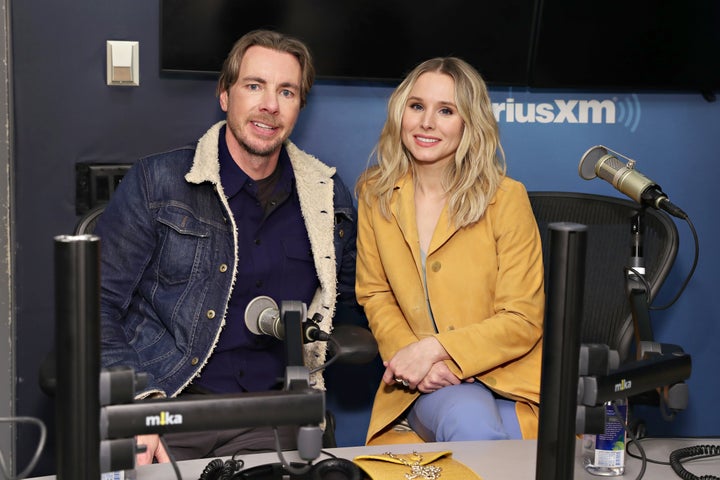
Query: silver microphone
(599, 162)
(262, 317)
(350, 343)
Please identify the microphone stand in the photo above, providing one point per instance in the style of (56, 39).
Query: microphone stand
(638, 297)
(632, 379)
(297, 404)
(572, 397)
(86, 451)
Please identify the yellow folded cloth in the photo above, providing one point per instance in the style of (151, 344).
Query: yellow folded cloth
(415, 465)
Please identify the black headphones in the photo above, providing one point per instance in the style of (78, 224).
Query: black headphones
(329, 469)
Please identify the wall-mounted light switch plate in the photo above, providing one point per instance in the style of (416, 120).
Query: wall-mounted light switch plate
(123, 63)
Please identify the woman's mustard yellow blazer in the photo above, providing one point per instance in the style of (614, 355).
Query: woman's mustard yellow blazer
(485, 287)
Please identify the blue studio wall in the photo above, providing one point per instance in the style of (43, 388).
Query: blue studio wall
(64, 113)
(673, 138)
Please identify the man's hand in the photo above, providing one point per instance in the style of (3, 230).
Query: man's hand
(153, 450)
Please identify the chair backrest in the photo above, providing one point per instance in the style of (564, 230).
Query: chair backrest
(607, 315)
(86, 224)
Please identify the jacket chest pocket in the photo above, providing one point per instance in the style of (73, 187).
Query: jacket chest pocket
(182, 244)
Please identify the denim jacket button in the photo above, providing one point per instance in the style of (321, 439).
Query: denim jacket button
(211, 314)
(341, 233)
(223, 268)
(195, 361)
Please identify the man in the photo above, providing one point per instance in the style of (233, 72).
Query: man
(191, 236)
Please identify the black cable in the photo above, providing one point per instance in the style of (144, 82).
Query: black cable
(227, 470)
(170, 455)
(639, 276)
(692, 270)
(618, 418)
(694, 452)
(38, 451)
(637, 456)
(332, 360)
(329, 454)
(212, 469)
(289, 468)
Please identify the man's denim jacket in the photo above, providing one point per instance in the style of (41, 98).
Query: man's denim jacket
(168, 259)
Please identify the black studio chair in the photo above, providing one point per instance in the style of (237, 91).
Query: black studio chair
(611, 314)
(607, 310)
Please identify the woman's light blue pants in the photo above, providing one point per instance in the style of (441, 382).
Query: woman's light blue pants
(468, 411)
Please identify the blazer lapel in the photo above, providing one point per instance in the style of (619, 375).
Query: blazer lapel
(443, 231)
(403, 209)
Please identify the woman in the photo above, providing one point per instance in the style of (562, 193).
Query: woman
(449, 266)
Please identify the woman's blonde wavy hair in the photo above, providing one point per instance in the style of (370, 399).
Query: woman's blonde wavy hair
(479, 166)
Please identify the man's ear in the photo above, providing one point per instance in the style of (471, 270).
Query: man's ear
(223, 100)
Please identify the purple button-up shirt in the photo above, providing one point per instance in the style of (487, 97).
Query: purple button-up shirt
(274, 259)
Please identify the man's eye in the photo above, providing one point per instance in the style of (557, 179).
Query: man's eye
(287, 93)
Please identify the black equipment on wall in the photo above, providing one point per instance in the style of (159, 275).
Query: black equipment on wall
(357, 39)
(644, 44)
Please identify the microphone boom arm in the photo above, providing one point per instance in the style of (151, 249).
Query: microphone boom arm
(297, 404)
(213, 412)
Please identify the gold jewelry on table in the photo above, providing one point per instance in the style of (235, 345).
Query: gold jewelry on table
(417, 471)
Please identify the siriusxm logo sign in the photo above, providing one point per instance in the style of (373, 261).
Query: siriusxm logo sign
(165, 418)
(610, 112)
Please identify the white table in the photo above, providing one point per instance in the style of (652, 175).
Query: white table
(492, 460)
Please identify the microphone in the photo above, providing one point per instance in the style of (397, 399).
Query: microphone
(262, 317)
(599, 162)
(352, 344)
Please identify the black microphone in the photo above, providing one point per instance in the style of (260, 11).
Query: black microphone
(353, 345)
(262, 317)
(598, 162)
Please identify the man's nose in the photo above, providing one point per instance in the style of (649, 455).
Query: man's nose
(269, 102)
